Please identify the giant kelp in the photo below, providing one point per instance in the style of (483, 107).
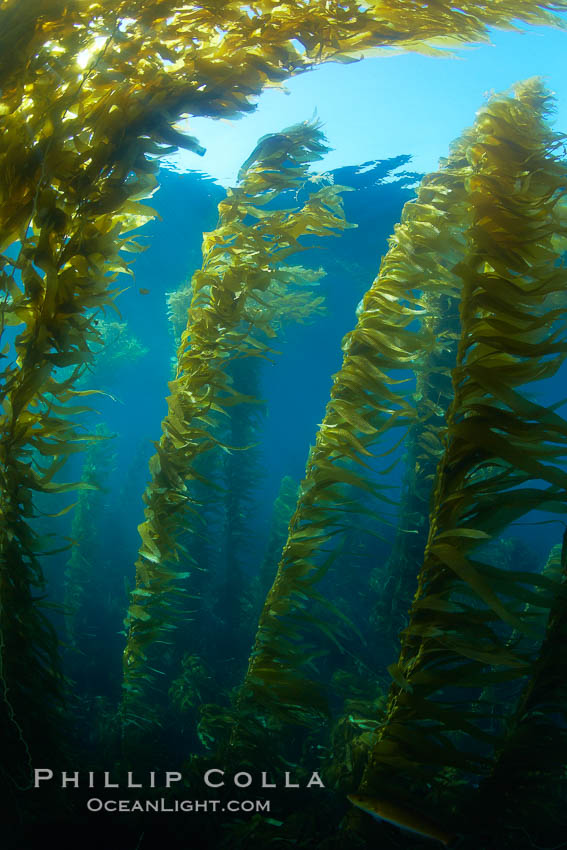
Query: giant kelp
(284, 508)
(89, 92)
(59, 272)
(241, 260)
(289, 298)
(299, 305)
(397, 330)
(502, 457)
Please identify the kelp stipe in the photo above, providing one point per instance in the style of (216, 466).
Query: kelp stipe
(503, 457)
(241, 261)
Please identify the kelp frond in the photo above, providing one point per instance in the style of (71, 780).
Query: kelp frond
(241, 263)
(503, 455)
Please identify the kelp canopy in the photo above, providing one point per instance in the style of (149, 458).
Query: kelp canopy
(90, 96)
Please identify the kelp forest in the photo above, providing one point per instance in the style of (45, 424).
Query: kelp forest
(189, 625)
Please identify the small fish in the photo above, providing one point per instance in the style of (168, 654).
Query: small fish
(401, 816)
(144, 291)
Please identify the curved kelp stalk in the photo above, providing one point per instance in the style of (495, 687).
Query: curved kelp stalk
(104, 84)
(241, 262)
(62, 254)
(503, 456)
(280, 39)
(371, 399)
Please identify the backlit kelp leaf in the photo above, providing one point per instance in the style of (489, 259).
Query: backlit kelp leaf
(136, 612)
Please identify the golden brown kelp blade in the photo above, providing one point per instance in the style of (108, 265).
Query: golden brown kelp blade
(241, 264)
(271, 311)
(124, 47)
(60, 272)
(503, 457)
